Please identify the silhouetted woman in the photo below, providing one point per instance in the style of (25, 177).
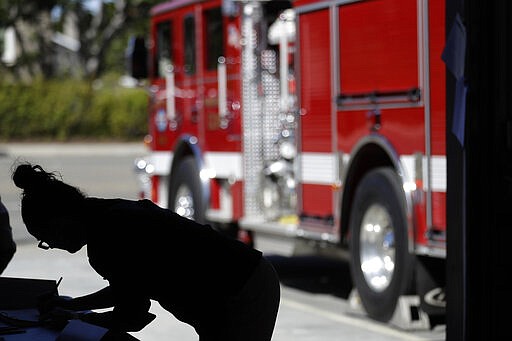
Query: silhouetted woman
(220, 286)
(7, 244)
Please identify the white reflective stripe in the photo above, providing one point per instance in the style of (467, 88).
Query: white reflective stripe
(437, 171)
(224, 164)
(317, 168)
(438, 175)
(161, 161)
(408, 164)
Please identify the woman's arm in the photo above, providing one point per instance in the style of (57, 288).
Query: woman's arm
(112, 320)
(97, 300)
(131, 314)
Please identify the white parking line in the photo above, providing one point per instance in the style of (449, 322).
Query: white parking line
(350, 320)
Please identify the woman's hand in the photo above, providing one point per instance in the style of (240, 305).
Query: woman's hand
(59, 315)
(49, 302)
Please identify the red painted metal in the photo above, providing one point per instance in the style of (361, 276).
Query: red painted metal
(378, 50)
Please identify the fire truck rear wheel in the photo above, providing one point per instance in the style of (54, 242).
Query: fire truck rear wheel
(381, 265)
(185, 196)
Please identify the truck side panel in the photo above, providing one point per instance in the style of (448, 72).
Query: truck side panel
(316, 113)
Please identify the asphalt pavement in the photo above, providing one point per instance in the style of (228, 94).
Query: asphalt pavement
(314, 305)
(93, 167)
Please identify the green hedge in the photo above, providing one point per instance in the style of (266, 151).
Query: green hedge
(64, 110)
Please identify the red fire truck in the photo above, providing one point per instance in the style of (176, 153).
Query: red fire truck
(310, 120)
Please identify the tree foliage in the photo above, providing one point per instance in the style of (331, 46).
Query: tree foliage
(37, 23)
(67, 109)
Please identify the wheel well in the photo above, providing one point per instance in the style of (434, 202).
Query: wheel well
(185, 147)
(182, 150)
(367, 158)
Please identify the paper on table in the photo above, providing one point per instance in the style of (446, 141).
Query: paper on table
(77, 330)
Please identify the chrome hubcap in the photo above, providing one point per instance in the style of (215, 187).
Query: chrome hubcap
(377, 248)
(184, 204)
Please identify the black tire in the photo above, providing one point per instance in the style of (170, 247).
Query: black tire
(379, 242)
(186, 195)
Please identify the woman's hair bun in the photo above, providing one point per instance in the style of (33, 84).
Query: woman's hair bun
(27, 176)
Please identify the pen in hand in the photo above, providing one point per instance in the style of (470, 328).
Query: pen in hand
(57, 285)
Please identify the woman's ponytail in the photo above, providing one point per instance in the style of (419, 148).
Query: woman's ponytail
(30, 178)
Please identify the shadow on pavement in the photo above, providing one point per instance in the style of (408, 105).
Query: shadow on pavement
(314, 274)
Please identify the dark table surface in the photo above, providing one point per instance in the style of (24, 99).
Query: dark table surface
(19, 316)
(23, 331)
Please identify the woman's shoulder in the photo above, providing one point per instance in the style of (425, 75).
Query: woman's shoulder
(96, 204)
